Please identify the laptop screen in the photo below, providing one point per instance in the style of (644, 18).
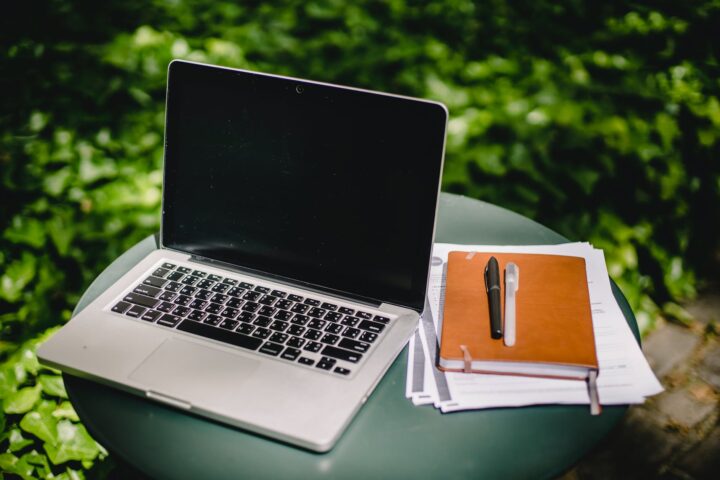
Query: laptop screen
(324, 185)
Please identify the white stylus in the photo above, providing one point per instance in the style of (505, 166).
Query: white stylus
(512, 285)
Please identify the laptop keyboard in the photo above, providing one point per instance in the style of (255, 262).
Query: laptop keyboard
(295, 328)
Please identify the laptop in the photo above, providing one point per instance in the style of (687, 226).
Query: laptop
(297, 226)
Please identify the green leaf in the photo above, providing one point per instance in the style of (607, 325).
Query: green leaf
(22, 400)
(65, 410)
(16, 441)
(74, 443)
(26, 230)
(11, 464)
(40, 462)
(2, 422)
(17, 276)
(42, 424)
(53, 385)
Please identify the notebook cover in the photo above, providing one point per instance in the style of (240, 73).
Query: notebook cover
(553, 316)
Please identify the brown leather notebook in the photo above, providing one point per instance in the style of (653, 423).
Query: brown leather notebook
(553, 321)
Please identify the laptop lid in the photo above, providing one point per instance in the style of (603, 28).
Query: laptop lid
(328, 186)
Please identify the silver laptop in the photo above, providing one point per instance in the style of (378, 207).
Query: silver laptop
(297, 226)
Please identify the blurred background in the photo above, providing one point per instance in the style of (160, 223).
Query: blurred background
(600, 120)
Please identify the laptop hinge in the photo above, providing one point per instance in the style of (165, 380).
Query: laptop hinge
(289, 282)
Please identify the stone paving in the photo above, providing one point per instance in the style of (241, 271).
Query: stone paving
(676, 434)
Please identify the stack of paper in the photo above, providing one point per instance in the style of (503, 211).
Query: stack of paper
(625, 376)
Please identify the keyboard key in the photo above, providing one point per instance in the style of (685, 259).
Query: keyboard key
(354, 345)
(135, 311)
(279, 326)
(271, 349)
(290, 353)
(252, 296)
(283, 315)
(368, 337)
(278, 293)
(346, 311)
(299, 308)
(173, 287)
(154, 282)
(262, 289)
(380, 319)
(147, 290)
(350, 321)
(166, 307)
(251, 307)
(213, 320)
(351, 332)
(235, 292)
(312, 302)
(341, 354)
(219, 298)
(284, 304)
(151, 315)
(306, 361)
(334, 328)
(200, 274)
(197, 315)
(330, 339)
(245, 328)
(166, 296)
(329, 306)
(181, 311)
(189, 280)
(174, 276)
(214, 278)
(138, 299)
(198, 304)
(234, 303)
(371, 326)
(261, 321)
(267, 311)
(184, 270)
(295, 330)
(230, 312)
(261, 333)
(341, 371)
(205, 283)
(363, 315)
(246, 286)
(204, 294)
(299, 320)
(313, 347)
(317, 324)
(219, 334)
(168, 265)
(189, 291)
(230, 281)
(296, 342)
(246, 316)
(294, 298)
(229, 324)
(278, 337)
(214, 308)
(326, 363)
(317, 312)
(168, 320)
(121, 307)
(160, 272)
(220, 288)
(312, 334)
(267, 300)
(333, 316)
(182, 300)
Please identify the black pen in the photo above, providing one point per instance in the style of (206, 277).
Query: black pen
(492, 285)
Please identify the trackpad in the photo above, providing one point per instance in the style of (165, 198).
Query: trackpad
(194, 373)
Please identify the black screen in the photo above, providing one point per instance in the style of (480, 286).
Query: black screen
(326, 185)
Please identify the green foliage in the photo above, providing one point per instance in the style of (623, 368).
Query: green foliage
(41, 435)
(600, 120)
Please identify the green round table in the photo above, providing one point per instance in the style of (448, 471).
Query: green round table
(389, 438)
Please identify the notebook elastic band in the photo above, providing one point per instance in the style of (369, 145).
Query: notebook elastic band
(595, 408)
(467, 359)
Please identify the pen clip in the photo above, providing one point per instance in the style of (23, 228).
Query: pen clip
(485, 273)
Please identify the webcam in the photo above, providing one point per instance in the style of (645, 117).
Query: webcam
(299, 89)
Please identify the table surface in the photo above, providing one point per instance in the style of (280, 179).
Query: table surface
(389, 438)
